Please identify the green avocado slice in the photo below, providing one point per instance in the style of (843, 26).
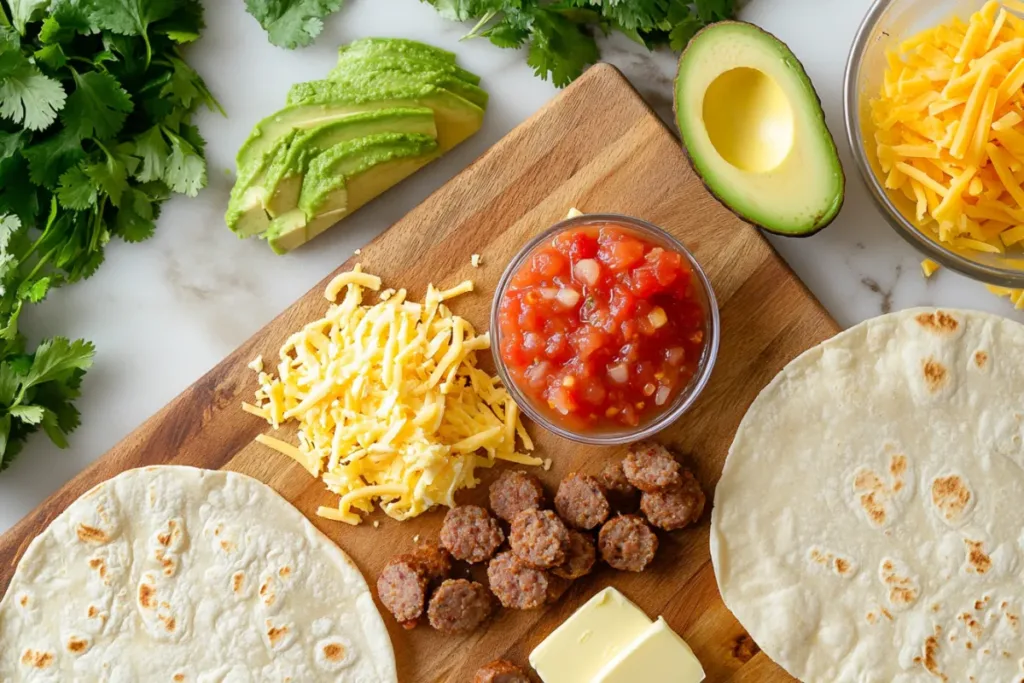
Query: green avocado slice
(456, 117)
(360, 62)
(274, 188)
(344, 178)
(412, 48)
(754, 131)
(369, 78)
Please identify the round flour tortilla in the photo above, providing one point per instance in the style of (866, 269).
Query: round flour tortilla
(185, 575)
(869, 523)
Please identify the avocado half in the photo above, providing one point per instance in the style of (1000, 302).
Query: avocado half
(754, 131)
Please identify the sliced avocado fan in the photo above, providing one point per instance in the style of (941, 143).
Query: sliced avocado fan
(754, 131)
(456, 117)
(274, 188)
(389, 107)
(344, 178)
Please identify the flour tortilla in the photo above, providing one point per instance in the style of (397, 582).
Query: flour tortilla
(869, 523)
(180, 574)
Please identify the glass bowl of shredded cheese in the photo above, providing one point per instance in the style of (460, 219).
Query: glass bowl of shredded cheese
(934, 101)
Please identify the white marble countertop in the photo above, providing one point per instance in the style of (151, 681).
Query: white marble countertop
(163, 312)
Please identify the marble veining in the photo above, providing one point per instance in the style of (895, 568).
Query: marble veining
(163, 312)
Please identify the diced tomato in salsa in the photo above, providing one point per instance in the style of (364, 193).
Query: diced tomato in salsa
(602, 327)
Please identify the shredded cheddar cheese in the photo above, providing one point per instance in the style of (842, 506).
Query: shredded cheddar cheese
(949, 130)
(929, 267)
(389, 401)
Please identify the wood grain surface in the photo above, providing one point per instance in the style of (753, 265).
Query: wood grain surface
(599, 147)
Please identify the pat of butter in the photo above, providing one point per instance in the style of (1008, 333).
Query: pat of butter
(658, 654)
(588, 640)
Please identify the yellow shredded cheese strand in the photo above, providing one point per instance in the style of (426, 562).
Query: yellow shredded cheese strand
(391, 407)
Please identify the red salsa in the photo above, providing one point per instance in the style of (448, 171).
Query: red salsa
(603, 327)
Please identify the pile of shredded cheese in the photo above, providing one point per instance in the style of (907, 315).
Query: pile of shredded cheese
(949, 128)
(390, 404)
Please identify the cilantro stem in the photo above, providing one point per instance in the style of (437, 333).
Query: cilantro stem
(49, 224)
(97, 226)
(4, 21)
(479, 25)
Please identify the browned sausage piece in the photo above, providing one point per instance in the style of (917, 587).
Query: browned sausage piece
(650, 467)
(614, 479)
(470, 533)
(581, 501)
(556, 588)
(435, 562)
(627, 543)
(516, 585)
(580, 558)
(459, 606)
(539, 538)
(402, 589)
(677, 507)
(501, 671)
(514, 491)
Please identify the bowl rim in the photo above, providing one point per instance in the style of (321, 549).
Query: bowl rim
(904, 228)
(686, 398)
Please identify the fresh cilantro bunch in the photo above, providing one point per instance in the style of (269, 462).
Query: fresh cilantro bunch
(96, 103)
(560, 33)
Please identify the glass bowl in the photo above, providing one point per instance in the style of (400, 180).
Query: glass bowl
(689, 393)
(887, 24)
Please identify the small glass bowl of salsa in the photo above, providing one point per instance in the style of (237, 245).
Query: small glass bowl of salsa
(605, 329)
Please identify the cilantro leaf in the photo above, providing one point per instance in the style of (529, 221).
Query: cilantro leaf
(49, 159)
(27, 97)
(134, 221)
(32, 415)
(153, 150)
(76, 191)
(186, 170)
(110, 176)
(559, 49)
(57, 359)
(25, 11)
(292, 23)
(97, 108)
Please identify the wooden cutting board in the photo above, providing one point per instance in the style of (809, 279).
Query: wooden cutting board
(599, 147)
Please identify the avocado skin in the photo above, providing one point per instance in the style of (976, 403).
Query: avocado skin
(830, 214)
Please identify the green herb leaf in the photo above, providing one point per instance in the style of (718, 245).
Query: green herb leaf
(57, 359)
(186, 169)
(25, 11)
(153, 150)
(32, 415)
(559, 49)
(134, 221)
(292, 23)
(27, 97)
(97, 108)
(49, 159)
(76, 190)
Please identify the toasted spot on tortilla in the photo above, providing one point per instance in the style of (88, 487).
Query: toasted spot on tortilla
(903, 591)
(227, 546)
(37, 659)
(830, 561)
(147, 596)
(971, 624)
(977, 561)
(92, 612)
(99, 565)
(951, 497)
(178, 678)
(238, 582)
(24, 601)
(928, 658)
(169, 622)
(980, 358)
(842, 566)
(939, 322)
(285, 572)
(935, 374)
(89, 534)
(275, 634)
(77, 646)
(334, 652)
(267, 592)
